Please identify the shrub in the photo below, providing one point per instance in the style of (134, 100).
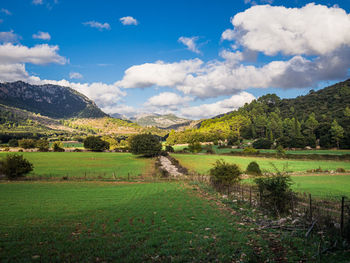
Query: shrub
(95, 144)
(14, 166)
(42, 145)
(340, 170)
(250, 150)
(224, 173)
(169, 148)
(275, 192)
(27, 143)
(262, 144)
(13, 143)
(209, 149)
(145, 144)
(253, 169)
(280, 152)
(57, 147)
(195, 147)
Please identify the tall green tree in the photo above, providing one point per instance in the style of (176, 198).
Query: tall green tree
(337, 132)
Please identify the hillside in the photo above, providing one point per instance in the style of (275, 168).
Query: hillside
(167, 121)
(49, 100)
(319, 118)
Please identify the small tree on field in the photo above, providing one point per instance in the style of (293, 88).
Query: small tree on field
(253, 169)
(58, 147)
(13, 143)
(337, 132)
(27, 143)
(275, 192)
(224, 173)
(145, 144)
(14, 166)
(95, 144)
(42, 145)
(195, 147)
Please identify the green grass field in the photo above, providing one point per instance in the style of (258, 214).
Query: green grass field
(228, 150)
(140, 222)
(203, 163)
(76, 164)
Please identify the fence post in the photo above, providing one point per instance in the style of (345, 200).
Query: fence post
(250, 196)
(310, 207)
(342, 216)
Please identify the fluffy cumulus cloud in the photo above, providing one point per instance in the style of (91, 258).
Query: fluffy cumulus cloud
(98, 25)
(190, 43)
(213, 109)
(75, 75)
(128, 20)
(39, 54)
(42, 35)
(310, 30)
(9, 37)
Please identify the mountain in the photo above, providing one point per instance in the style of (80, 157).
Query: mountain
(49, 100)
(161, 121)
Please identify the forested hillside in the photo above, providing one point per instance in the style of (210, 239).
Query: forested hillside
(319, 118)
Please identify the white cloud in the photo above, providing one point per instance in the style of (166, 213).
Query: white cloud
(42, 35)
(190, 43)
(167, 99)
(39, 54)
(310, 30)
(159, 73)
(37, 2)
(13, 72)
(220, 107)
(128, 20)
(98, 25)
(6, 11)
(120, 109)
(9, 37)
(75, 75)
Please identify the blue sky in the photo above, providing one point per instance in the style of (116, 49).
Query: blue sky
(182, 57)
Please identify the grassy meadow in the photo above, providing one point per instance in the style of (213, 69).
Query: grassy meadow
(130, 222)
(93, 164)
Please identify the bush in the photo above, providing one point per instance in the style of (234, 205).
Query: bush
(253, 169)
(275, 192)
(57, 147)
(340, 170)
(169, 148)
(262, 144)
(280, 152)
(13, 143)
(27, 143)
(14, 166)
(146, 145)
(224, 173)
(42, 145)
(209, 149)
(195, 147)
(250, 150)
(95, 144)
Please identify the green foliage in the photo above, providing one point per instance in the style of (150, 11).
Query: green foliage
(195, 147)
(250, 150)
(147, 145)
(275, 192)
(58, 147)
(169, 148)
(253, 168)
(14, 166)
(42, 145)
(280, 152)
(224, 173)
(13, 143)
(95, 144)
(262, 144)
(337, 132)
(27, 143)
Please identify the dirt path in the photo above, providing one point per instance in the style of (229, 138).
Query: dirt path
(169, 167)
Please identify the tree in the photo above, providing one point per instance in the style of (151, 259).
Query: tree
(26, 143)
(195, 147)
(145, 144)
(14, 166)
(337, 132)
(58, 147)
(95, 144)
(311, 125)
(13, 143)
(225, 173)
(42, 145)
(253, 169)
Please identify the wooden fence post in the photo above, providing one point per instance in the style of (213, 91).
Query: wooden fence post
(342, 216)
(310, 207)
